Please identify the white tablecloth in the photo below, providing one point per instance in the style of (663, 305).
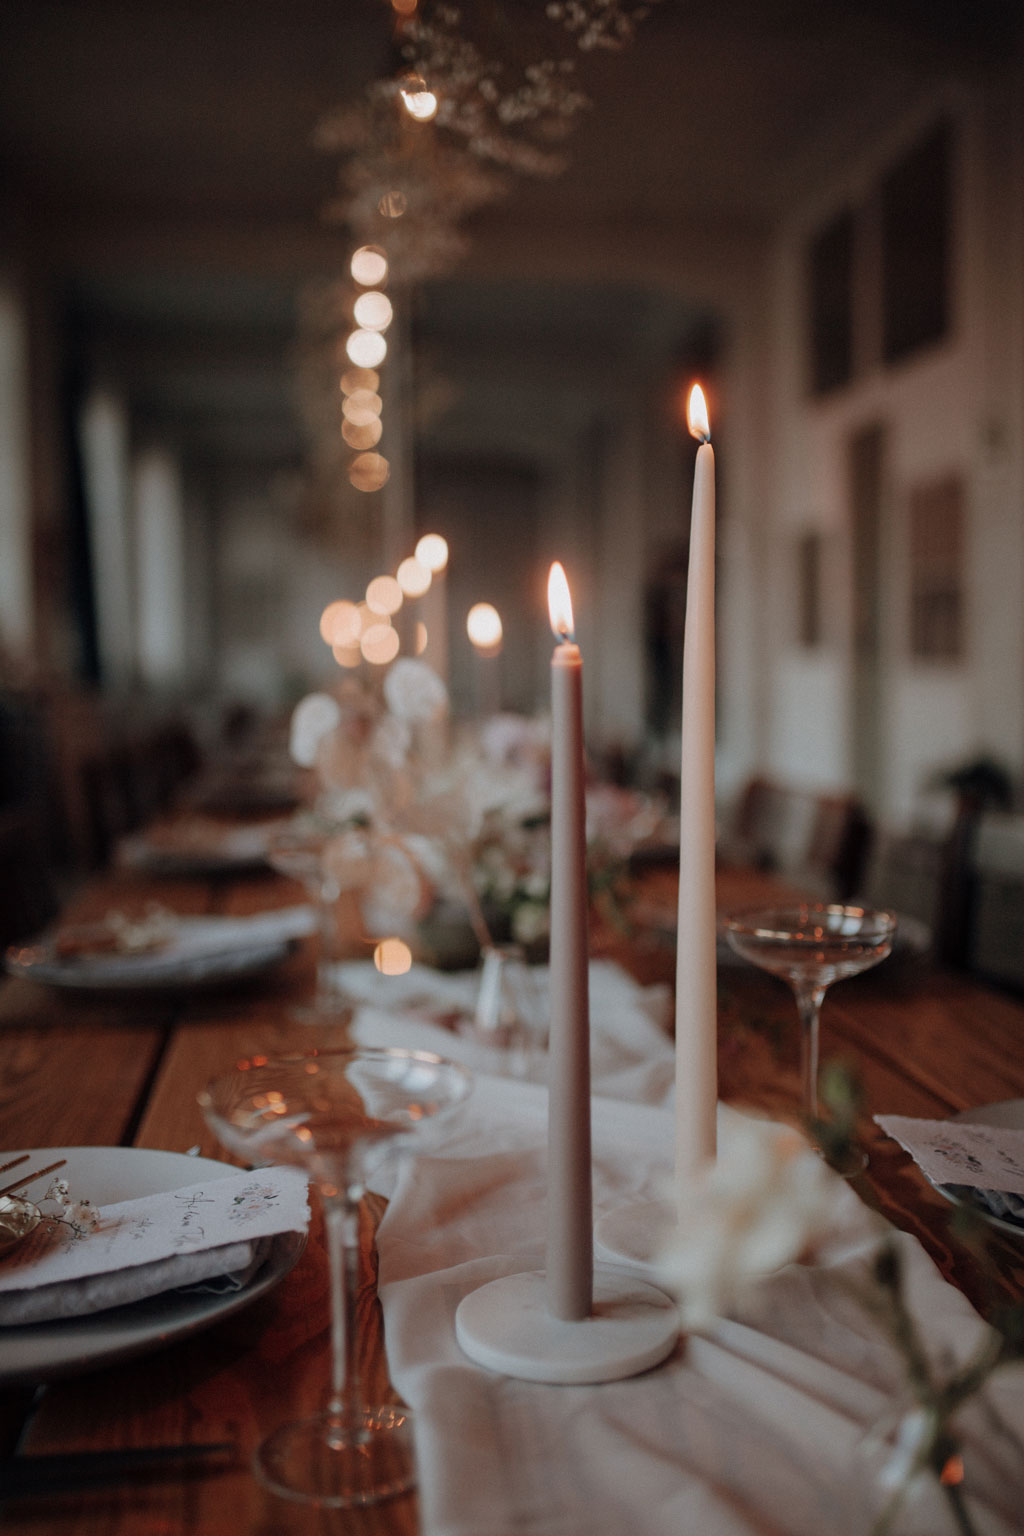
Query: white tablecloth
(758, 1428)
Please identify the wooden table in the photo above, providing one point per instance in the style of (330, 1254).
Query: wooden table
(114, 1071)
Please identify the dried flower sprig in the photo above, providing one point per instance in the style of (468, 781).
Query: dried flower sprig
(79, 1216)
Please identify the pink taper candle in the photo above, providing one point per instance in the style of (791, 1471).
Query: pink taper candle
(696, 966)
(570, 1250)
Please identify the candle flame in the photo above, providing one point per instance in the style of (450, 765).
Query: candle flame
(697, 415)
(560, 603)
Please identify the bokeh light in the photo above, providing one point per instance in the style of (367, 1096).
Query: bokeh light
(379, 643)
(483, 626)
(373, 311)
(369, 471)
(340, 624)
(432, 551)
(392, 957)
(413, 577)
(364, 437)
(361, 407)
(347, 655)
(366, 348)
(421, 638)
(369, 266)
(359, 378)
(384, 595)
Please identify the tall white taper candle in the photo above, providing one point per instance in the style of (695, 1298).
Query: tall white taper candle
(696, 966)
(570, 1249)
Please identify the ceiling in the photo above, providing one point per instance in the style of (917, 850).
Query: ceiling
(157, 162)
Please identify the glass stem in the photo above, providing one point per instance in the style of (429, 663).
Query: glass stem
(341, 1223)
(808, 1002)
(327, 897)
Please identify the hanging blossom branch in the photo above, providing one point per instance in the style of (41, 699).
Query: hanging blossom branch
(599, 23)
(495, 116)
(498, 121)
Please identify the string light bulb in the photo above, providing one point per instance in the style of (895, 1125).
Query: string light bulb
(432, 551)
(369, 266)
(418, 99)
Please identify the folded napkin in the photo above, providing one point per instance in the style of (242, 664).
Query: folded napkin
(219, 1230)
(632, 1055)
(193, 947)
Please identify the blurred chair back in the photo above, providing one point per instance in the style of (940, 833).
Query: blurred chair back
(904, 873)
(28, 890)
(996, 882)
(817, 838)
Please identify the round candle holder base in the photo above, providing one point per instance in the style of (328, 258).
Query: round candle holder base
(507, 1327)
(635, 1234)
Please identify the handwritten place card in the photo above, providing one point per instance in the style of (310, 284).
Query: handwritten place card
(236, 1209)
(955, 1152)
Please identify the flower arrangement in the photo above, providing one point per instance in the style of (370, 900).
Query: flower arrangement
(417, 816)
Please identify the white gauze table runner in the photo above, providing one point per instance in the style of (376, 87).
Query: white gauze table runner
(757, 1428)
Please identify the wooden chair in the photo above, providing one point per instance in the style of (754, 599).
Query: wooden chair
(28, 887)
(995, 926)
(818, 838)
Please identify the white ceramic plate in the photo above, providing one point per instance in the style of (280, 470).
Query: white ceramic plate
(1009, 1114)
(43, 1351)
(204, 952)
(199, 851)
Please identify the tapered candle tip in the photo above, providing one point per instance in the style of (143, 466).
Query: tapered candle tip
(697, 415)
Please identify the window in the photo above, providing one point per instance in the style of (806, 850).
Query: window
(830, 263)
(916, 218)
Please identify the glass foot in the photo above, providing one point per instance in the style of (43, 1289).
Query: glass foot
(324, 1462)
(848, 1163)
(323, 1014)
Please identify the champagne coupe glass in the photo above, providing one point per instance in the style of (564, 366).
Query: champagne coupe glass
(810, 946)
(335, 1113)
(298, 852)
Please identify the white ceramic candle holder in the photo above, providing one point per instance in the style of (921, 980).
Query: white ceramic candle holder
(507, 1327)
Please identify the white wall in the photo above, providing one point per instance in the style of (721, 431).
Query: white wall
(160, 553)
(106, 470)
(16, 606)
(957, 408)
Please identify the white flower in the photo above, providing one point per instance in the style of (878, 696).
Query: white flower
(758, 1207)
(414, 692)
(392, 741)
(83, 1216)
(312, 718)
(529, 922)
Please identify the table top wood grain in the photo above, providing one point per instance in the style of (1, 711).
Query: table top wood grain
(122, 1070)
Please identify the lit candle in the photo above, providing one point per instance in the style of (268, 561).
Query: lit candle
(696, 968)
(484, 628)
(570, 1250)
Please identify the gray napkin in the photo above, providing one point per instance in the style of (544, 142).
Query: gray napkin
(215, 1269)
